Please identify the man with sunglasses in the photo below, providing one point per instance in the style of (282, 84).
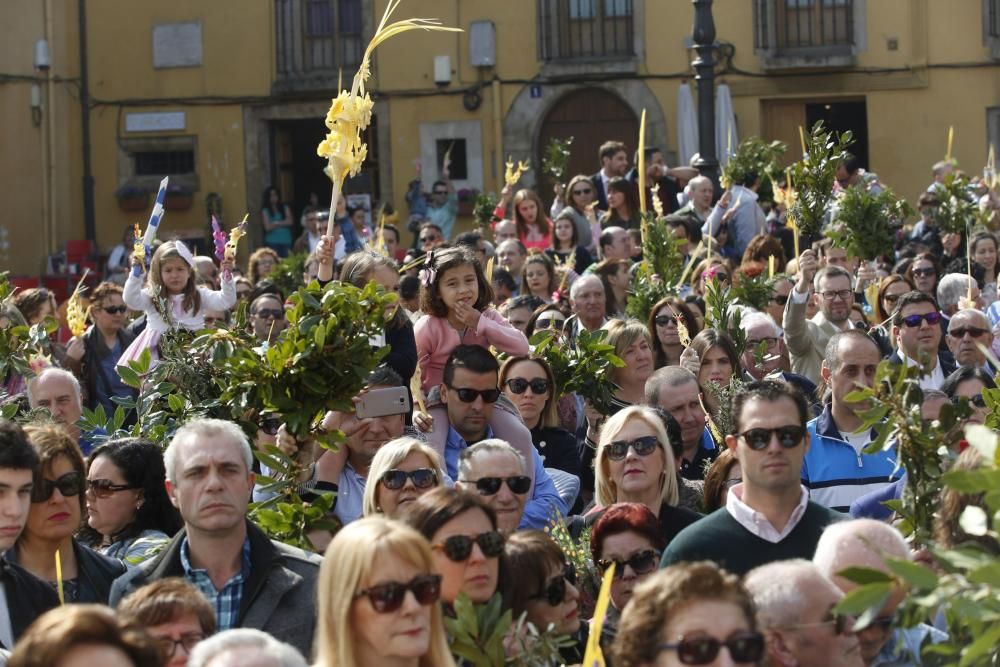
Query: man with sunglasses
(956, 291)
(916, 328)
(867, 543)
(443, 205)
(837, 470)
(769, 516)
(267, 317)
(497, 472)
(967, 330)
(807, 339)
(23, 597)
(795, 602)
(463, 408)
(251, 580)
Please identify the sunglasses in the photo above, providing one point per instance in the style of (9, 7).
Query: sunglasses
(70, 484)
(387, 598)
(270, 425)
(977, 400)
(546, 322)
(924, 273)
(975, 332)
(665, 320)
(583, 191)
(555, 591)
(458, 548)
(115, 310)
(788, 436)
(467, 395)
(105, 488)
(744, 647)
(914, 321)
(641, 562)
(423, 478)
(519, 385)
(780, 299)
(270, 314)
(490, 486)
(618, 450)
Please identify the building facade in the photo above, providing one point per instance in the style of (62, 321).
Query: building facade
(228, 96)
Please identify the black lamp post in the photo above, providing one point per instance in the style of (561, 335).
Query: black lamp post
(704, 67)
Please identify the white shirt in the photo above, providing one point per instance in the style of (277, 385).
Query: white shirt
(757, 523)
(932, 381)
(6, 631)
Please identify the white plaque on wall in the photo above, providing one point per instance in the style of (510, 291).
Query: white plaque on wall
(177, 45)
(155, 121)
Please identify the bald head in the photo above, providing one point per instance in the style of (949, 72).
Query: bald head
(860, 543)
(784, 591)
(968, 330)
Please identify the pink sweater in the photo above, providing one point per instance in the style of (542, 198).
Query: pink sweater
(436, 339)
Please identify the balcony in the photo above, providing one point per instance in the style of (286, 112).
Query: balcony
(571, 31)
(807, 33)
(314, 41)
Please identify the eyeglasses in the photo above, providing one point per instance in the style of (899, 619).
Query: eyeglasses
(555, 591)
(975, 332)
(168, 646)
(664, 320)
(770, 342)
(582, 191)
(925, 273)
(490, 486)
(788, 436)
(270, 425)
(458, 548)
(843, 295)
(914, 321)
(105, 488)
(387, 598)
(519, 385)
(423, 478)
(270, 314)
(115, 310)
(546, 322)
(841, 624)
(977, 400)
(467, 395)
(618, 450)
(70, 484)
(641, 562)
(744, 647)
(780, 299)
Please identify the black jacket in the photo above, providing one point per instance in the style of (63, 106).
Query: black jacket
(28, 597)
(89, 367)
(95, 573)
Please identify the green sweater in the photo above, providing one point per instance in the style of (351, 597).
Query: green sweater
(720, 538)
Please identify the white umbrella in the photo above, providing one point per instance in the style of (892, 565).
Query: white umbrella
(687, 126)
(726, 139)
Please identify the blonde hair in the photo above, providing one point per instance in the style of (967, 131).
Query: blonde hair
(606, 489)
(388, 456)
(348, 562)
(622, 332)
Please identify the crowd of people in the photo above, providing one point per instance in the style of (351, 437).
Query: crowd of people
(727, 545)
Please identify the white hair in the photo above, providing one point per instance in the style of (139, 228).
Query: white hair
(224, 649)
(57, 372)
(582, 282)
(780, 590)
(973, 312)
(858, 543)
(951, 288)
(751, 318)
(488, 446)
(205, 427)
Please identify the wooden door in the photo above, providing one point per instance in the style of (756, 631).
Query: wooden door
(781, 120)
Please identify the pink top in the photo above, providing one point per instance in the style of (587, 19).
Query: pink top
(436, 339)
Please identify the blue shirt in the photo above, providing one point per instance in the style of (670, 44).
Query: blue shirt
(444, 216)
(226, 601)
(544, 497)
(350, 495)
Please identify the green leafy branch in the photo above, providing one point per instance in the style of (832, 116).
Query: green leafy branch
(555, 161)
(957, 210)
(584, 368)
(482, 211)
(814, 176)
(866, 223)
(287, 274)
(753, 156)
(661, 267)
(721, 313)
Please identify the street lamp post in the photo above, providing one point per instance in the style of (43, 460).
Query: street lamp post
(704, 67)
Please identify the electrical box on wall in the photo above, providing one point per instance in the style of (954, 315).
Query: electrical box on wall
(482, 44)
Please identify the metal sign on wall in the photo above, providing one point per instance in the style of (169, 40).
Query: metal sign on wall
(155, 121)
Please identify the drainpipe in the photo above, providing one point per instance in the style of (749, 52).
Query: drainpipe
(498, 167)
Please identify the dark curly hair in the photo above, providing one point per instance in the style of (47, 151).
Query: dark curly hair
(440, 261)
(141, 464)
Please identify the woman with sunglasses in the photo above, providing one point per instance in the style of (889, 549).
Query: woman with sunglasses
(465, 542)
(968, 382)
(663, 329)
(634, 463)
(580, 209)
(92, 357)
(889, 290)
(551, 316)
(630, 536)
(690, 614)
(57, 505)
(546, 592)
(378, 595)
(403, 470)
(528, 382)
(923, 273)
(566, 245)
(129, 516)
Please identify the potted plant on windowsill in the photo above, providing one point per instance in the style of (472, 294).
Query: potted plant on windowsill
(132, 197)
(179, 197)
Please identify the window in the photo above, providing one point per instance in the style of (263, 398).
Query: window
(317, 37)
(790, 25)
(144, 161)
(573, 29)
(455, 149)
(164, 163)
(581, 9)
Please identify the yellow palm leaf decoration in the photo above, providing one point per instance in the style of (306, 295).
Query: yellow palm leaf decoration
(138, 247)
(594, 657)
(76, 314)
(351, 111)
(511, 175)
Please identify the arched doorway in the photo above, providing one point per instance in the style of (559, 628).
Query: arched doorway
(591, 116)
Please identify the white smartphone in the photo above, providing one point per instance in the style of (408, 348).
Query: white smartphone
(382, 402)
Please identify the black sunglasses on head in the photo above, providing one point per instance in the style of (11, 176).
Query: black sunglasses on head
(423, 478)
(555, 591)
(641, 562)
(458, 548)
(490, 486)
(788, 436)
(387, 598)
(538, 386)
(467, 395)
(70, 484)
(618, 450)
(744, 647)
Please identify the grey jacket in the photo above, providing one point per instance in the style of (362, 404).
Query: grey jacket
(806, 339)
(279, 597)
